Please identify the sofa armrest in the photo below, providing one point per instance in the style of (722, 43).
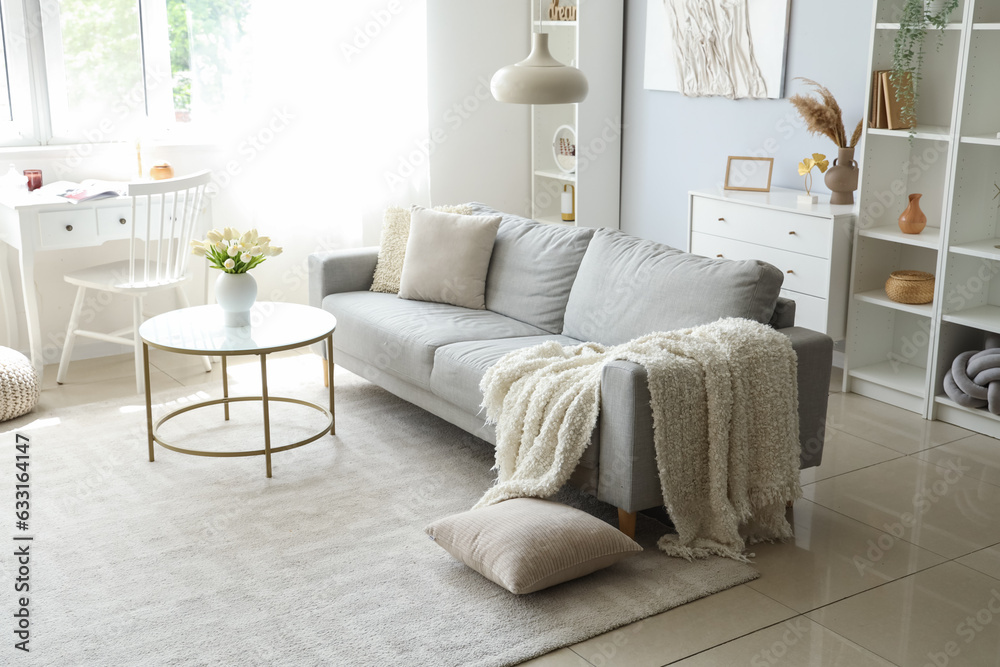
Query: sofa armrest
(334, 271)
(815, 352)
(627, 474)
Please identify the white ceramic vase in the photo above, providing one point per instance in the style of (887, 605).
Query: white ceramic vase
(235, 294)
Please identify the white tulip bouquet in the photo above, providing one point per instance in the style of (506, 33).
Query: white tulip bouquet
(232, 252)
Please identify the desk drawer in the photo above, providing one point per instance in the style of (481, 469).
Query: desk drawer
(67, 229)
(114, 222)
(803, 273)
(805, 234)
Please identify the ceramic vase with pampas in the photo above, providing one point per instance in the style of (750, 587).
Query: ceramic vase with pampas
(824, 117)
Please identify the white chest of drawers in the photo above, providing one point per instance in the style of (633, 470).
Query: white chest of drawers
(810, 244)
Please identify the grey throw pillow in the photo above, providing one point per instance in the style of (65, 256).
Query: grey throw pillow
(527, 544)
(447, 257)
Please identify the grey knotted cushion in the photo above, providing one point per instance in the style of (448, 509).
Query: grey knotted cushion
(974, 379)
(18, 384)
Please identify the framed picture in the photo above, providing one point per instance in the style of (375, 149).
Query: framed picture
(755, 33)
(749, 173)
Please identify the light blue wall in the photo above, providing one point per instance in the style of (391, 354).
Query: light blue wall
(672, 144)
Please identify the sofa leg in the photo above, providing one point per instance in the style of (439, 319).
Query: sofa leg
(326, 373)
(626, 522)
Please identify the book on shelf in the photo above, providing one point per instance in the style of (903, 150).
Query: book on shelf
(87, 190)
(886, 112)
(896, 119)
(876, 113)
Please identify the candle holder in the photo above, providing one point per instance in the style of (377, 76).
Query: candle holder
(34, 177)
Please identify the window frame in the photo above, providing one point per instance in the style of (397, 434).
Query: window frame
(33, 35)
(23, 127)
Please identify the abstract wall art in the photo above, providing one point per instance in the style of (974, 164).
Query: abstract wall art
(726, 48)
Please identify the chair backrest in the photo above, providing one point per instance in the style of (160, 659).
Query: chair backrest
(164, 220)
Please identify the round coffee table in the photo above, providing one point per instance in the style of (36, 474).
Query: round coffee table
(273, 327)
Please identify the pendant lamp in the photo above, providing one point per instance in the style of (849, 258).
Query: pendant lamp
(539, 78)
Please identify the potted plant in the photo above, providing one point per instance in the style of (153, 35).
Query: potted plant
(235, 254)
(908, 48)
(824, 117)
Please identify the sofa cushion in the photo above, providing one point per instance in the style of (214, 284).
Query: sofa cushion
(460, 367)
(533, 268)
(447, 257)
(627, 287)
(401, 336)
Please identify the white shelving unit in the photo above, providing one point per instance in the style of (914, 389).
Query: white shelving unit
(592, 43)
(899, 353)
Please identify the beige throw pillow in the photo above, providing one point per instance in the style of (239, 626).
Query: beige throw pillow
(527, 544)
(447, 257)
(392, 245)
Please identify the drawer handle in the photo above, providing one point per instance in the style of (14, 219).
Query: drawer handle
(69, 228)
(722, 219)
(121, 221)
(791, 233)
(718, 255)
(789, 271)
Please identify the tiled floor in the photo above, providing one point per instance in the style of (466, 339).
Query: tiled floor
(896, 557)
(896, 561)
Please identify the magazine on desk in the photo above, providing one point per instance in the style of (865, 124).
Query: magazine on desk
(87, 190)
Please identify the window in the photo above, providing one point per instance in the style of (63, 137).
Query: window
(209, 58)
(16, 117)
(122, 69)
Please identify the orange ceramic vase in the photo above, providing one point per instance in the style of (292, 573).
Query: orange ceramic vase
(913, 220)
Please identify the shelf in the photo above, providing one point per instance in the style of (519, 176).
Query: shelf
(932, 132)
(986, 26)
(986, 249)
(974, 419)
(550, 24)
(929, 238)
(879, 298)
(942, 399)
(558, 175)
(895, 26)
(554, 220)
(986, 318)
(982, 139)
(897, 375)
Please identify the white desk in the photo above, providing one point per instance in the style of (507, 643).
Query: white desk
(33, 223)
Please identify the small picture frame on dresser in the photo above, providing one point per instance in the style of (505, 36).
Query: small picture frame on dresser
(750, 174)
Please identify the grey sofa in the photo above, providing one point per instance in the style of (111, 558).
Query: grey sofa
(568, 284)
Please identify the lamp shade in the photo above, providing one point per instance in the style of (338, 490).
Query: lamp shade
(539, 78)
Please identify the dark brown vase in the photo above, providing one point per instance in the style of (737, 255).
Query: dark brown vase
(913, 220)
(842, 177)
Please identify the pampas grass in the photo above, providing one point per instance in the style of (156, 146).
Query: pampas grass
(824, 116)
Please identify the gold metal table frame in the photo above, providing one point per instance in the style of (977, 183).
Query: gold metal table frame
(153, 427)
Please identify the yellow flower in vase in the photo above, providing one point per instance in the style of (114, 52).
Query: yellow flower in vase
(806, 166)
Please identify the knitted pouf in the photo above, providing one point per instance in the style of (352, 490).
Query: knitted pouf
(974, 380)
(18, 384)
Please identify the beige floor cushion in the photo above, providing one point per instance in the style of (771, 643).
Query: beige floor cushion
(527, 544)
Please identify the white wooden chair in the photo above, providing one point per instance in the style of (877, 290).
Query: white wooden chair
(164, 220)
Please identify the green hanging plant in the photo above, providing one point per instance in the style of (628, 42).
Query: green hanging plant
(908, 49)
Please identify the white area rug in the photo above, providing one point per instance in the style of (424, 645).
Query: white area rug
(204, 561)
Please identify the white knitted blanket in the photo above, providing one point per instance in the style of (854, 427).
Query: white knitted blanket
(725, 426)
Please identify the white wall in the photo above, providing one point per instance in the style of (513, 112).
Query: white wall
(480, 146)
(672, 144)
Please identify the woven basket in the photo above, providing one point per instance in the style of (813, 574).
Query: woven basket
(910, 286)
